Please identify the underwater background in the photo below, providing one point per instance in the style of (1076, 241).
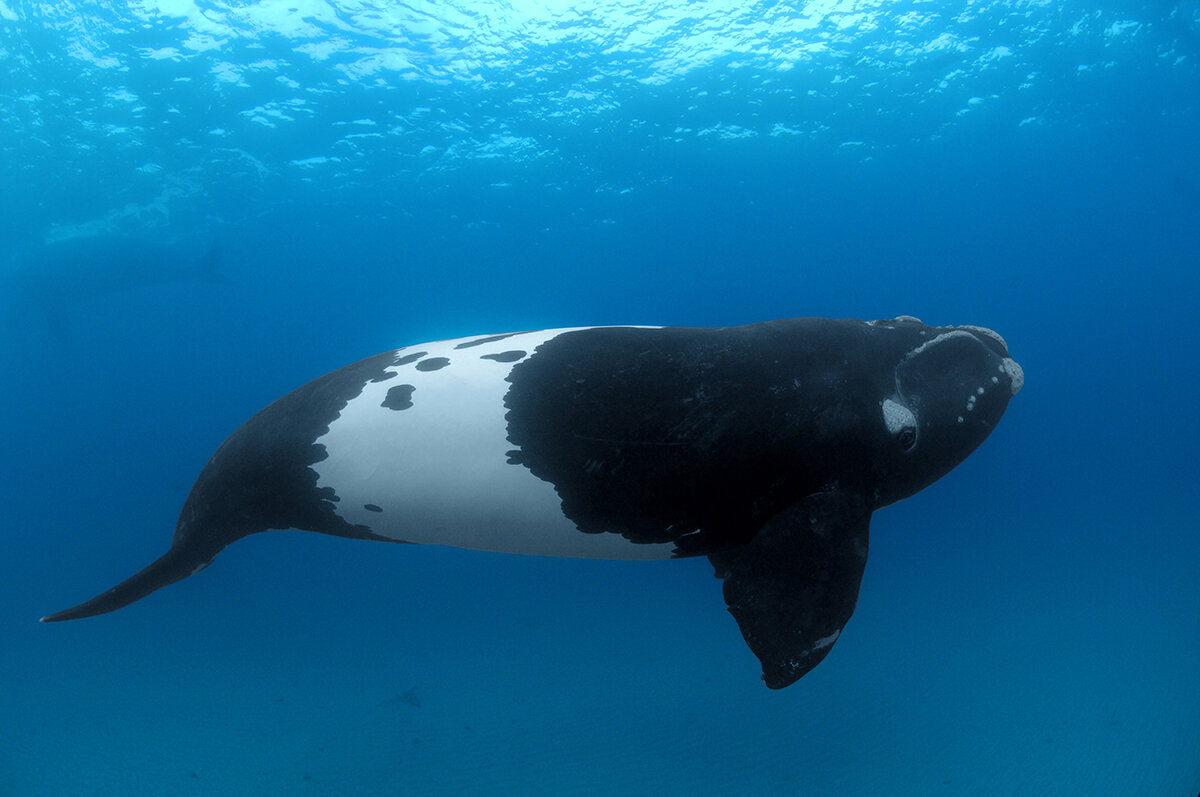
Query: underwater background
(205, 204)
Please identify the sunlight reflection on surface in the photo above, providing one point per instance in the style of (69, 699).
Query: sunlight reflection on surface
(314, 90)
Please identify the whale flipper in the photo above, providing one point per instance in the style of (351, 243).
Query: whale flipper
(793, 587)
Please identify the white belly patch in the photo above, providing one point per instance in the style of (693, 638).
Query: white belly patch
(421, 457)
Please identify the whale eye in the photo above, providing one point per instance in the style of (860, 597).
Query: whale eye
(907, 438)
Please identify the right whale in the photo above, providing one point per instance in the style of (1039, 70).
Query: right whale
(764, 447)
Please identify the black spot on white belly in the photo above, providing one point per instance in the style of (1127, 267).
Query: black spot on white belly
(504, 356)
(433, 364)
(491, 339)
(398, 398)
(385, 376)
(410, 358)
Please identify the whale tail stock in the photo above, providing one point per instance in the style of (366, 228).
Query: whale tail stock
(176, 564)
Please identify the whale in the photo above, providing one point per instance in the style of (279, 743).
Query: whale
(764, 447)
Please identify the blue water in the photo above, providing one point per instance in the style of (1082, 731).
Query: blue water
(379, 174)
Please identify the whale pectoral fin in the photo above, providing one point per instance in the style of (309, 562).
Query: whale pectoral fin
(793, 587)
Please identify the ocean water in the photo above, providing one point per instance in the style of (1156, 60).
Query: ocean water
(205, 204)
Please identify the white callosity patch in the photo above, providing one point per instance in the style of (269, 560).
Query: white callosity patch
(979, 391)
(942, 338)
(890, 323)
(1016, 376)
(987, 332)
(896, 416)
(437, 472)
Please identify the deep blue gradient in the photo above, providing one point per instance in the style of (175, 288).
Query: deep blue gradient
(380, 174)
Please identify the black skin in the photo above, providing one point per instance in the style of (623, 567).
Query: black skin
(763, 447)
(699, 436)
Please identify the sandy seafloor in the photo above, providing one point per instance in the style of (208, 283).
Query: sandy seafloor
(1028, 625)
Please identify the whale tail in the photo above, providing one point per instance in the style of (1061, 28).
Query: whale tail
(176, 564)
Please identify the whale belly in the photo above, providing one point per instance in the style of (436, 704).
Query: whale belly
(421, 456)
